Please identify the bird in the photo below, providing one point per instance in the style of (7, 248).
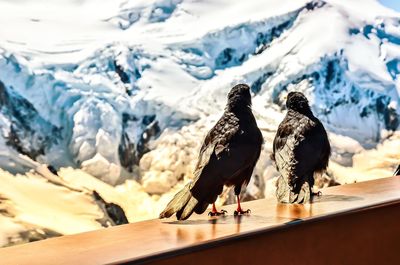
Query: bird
(301, 148)
(52, 170)
(114, 211)
(397, 172)
(227, 156)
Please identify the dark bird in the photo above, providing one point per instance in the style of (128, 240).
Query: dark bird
(397, 172)
(114, 211)
(52, 170)
(227, 157)
(300, 149)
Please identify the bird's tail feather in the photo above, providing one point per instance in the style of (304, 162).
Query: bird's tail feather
(178, 203)
(285, 194)
(201, 207)
(188, 209)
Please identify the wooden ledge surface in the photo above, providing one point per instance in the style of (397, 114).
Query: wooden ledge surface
(155, 239)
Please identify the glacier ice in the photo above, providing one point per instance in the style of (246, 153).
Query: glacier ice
(92, 112)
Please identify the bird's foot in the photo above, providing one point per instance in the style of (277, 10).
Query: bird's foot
(216, 213)
(241, 212)
(318, 194)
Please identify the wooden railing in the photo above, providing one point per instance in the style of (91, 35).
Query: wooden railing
(350, 224)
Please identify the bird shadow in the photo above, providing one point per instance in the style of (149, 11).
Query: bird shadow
(229, 219)
(339, 198)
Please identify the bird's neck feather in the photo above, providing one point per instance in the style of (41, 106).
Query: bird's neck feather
(306, 111)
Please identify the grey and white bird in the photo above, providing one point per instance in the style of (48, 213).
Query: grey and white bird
(227, 157)
(300, 149)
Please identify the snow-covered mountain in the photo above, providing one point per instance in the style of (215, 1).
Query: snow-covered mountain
(126, 90)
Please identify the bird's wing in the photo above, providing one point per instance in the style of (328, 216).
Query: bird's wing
(217, 140)
(291, 146)
(283, 146)
(228, 169)
(289, 136)
(311, 153)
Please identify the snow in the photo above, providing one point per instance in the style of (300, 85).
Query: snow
(118, 95)
(31, 194)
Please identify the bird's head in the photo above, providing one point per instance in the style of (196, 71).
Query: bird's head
(298, 102)
(239, 97)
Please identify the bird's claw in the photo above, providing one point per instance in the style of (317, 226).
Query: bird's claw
(222, 212)
(241, 212)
